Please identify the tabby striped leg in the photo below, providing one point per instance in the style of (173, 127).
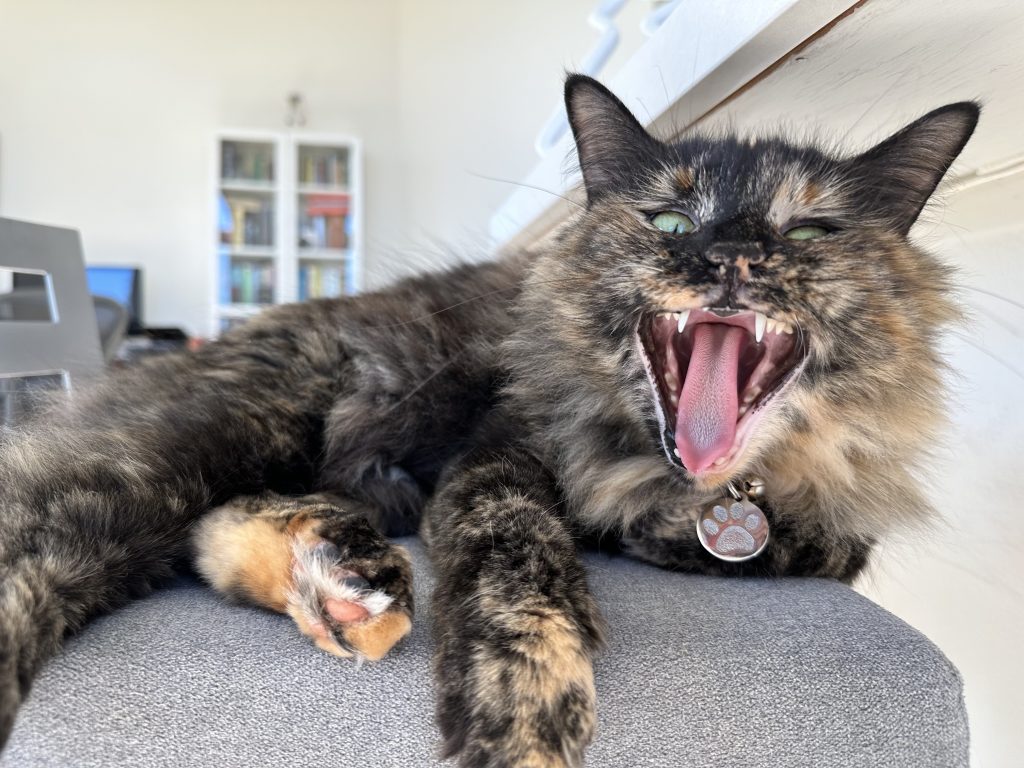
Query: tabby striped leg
(315, 558)
(516, 624)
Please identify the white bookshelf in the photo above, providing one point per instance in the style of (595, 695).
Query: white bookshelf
(288, 213)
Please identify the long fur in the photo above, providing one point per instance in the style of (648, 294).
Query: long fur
(509, 401)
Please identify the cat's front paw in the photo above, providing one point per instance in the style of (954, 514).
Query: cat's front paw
(520, 695)
(338, 607)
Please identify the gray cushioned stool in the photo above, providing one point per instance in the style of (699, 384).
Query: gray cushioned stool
(699, 672)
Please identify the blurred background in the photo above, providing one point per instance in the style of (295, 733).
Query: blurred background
(114, 114)
(222, 155)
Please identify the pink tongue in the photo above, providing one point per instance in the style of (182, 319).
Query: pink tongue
(709, 404)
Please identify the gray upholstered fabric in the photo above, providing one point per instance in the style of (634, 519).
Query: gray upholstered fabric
(699, 672)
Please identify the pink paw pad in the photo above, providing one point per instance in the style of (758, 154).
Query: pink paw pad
(326, 597)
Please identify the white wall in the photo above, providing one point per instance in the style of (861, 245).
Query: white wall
(477, 81)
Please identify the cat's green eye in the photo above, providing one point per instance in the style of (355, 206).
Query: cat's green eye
(673, 222)
(805, 232)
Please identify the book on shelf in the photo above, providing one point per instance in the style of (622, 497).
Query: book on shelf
(330, 281)
(318, 281)
(351, 276)
(328, 170)
(324, 221)
(252, 222)
(224, 275)
(265, 292)
(252, 282)
(246, 161)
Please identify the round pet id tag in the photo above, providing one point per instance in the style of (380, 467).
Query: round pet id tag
(733, 529)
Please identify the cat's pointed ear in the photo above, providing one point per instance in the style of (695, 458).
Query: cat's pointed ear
(609, 140)
(899, 175)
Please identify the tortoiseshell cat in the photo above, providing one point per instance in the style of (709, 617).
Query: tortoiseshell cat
(721, 310)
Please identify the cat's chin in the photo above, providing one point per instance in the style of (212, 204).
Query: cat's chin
(715, 373)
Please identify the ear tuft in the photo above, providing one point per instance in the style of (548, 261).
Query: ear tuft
(901, 173)
(609, 140)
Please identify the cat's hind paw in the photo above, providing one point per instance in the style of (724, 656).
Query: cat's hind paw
(338, 608)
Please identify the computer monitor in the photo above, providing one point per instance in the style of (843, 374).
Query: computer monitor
(123, 285)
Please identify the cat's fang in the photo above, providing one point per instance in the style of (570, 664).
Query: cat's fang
(759, 324)
(681, 320)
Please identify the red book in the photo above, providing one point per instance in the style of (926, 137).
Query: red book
(326, 205)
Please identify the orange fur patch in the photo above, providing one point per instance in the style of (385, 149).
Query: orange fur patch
(810, 193)
(254, 556)
(668, 297)
(251, 554)
(376, 637)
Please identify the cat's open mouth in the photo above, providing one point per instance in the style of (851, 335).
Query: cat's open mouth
(714, 371)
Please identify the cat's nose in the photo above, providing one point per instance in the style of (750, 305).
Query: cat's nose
(735, 254)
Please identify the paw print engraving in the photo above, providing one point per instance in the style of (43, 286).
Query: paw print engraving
(733, 530)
